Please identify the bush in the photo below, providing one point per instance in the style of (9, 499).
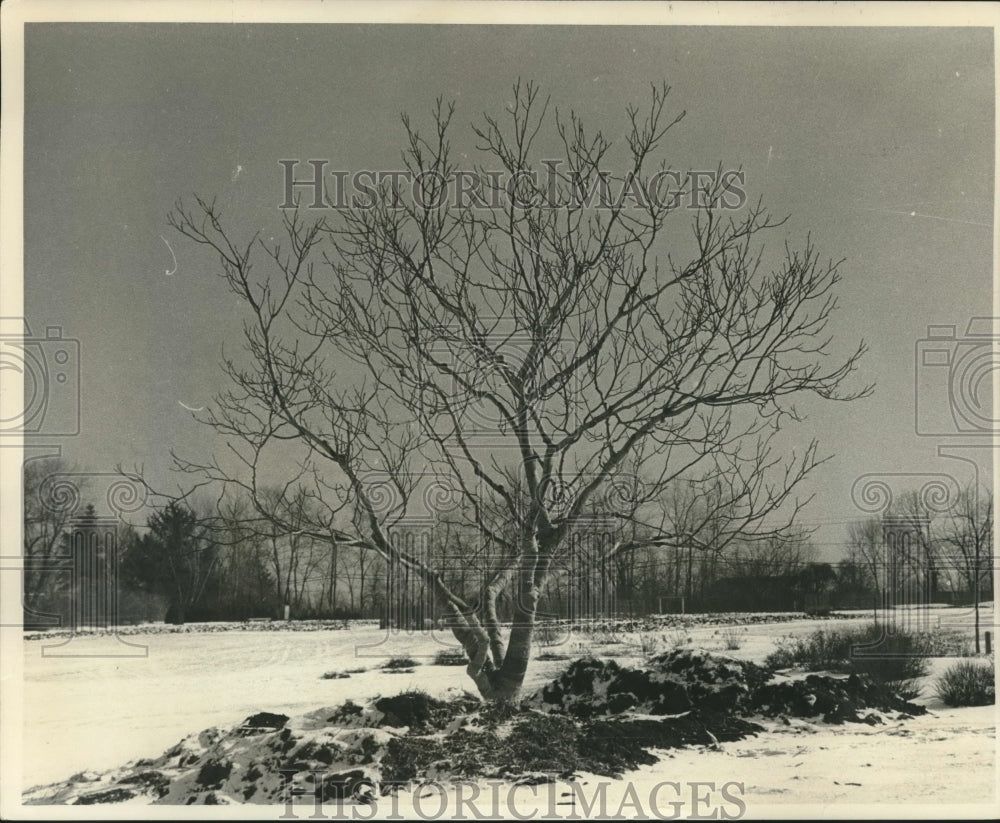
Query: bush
(894, 659)
(135, 606)
(451, 657)
(968, 683)
(602, 634)
(401, 662)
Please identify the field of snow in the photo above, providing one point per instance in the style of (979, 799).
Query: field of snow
(95, 713)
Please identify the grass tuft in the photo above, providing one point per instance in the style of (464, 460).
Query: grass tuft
(732, 637)
(968, 683)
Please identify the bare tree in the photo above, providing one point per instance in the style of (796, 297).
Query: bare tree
(775, 557)
(917, 555)
(529, 340)
(358, 569)
(288, 526)
(704, 520)
(249, 584)
(966, 538)
(48, 510)
(865, 548)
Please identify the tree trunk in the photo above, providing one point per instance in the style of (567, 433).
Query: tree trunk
(498, 669)
(975, 596)
(361, 582)
(333, 579)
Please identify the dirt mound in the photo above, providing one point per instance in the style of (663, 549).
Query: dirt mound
(264, 721)
(413, 710)
(591, 687)
(537, 744)
(408, 709)
(713, 682)
(671, 683)
(597, 717)
(695, 680)
(835, 699)
(226, 766)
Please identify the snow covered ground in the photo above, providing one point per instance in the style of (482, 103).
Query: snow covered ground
(95, 713)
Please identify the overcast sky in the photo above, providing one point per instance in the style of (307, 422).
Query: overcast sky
(878, 142)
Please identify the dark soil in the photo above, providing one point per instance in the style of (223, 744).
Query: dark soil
(597, 716)
(110, 796)
(345, 712)
(835, 699)
(556, 744)
(214, 772)
(600, 717)
(672, 683)
(341, 786)
(680, 681)
(266, 720)
(157, 781)
(407, 709)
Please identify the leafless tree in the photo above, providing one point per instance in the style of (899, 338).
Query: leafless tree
(866, 549)
(912, 510)
(966, 541)
(775, 557)
(545, 344)
(287, 527)
(249, 583)
(48, 510)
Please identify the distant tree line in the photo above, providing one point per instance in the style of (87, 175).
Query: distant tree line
(950, 553)
(195, 561)
(228, 560)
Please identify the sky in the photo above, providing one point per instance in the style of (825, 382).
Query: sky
(878, 143)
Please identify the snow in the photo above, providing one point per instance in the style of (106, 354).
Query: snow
(96, 713)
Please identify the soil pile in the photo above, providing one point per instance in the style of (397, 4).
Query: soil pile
(692, 680)
(597, 716)
(671, 683)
